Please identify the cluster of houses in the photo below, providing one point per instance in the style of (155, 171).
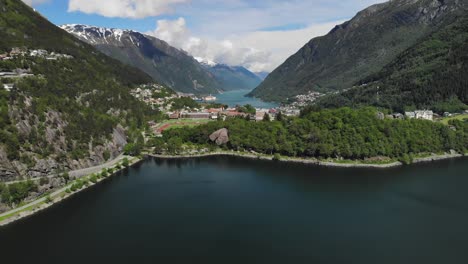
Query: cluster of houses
(221, 113)
(18, 73)
(48, 56)
(289, 110)
(305, 99)
(145, 93)
(418, 114)
(17, 52)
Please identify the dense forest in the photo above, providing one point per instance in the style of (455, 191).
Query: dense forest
(432, 74)
(361, 47)
(340, 133)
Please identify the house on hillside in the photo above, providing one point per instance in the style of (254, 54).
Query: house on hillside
(420, 114)
(425, 114)
(410, 115)
(9, 86)
(17, 52)
(38, 53)
(174, 115)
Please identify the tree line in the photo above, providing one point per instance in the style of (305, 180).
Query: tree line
(339, 133)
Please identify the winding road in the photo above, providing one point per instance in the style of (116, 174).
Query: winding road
(82, 172)
(76, 173)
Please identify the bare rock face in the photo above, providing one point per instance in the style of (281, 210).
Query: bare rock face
(7, 172)
(220, 137)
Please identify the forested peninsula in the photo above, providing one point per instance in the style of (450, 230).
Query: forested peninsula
(341, 134)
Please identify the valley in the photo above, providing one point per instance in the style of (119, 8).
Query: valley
(200, 140)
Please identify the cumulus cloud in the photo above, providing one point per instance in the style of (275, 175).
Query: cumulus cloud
(257, 51)
(225, 51)
(35, 2)
(124, 8)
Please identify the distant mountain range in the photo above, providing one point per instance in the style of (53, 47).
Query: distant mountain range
(374, 43)
(168, 65)
(262, 75)
(234, 77)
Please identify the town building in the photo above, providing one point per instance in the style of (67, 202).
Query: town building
(420, 114)
(198, 115)
(8, 86)
(209, 98)
(17, 52)
(175, 115)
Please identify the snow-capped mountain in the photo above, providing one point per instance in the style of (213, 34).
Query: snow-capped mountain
(166, 64)
(96, 35)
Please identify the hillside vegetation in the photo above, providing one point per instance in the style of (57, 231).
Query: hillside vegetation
(360, 47)
(341, 133)
(431, 74)
(73, 112)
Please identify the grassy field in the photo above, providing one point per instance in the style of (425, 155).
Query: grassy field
(180, 123)
(458, 117)
(187, 121)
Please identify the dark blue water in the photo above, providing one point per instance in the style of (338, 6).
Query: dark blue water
(233, 210)
(234, 98)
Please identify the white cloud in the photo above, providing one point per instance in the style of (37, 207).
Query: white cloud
(124, 8)
(257, 51)
(35, 2)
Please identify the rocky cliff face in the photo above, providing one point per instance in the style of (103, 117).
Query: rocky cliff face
(166, 64)
(49, 139)
(359, 47)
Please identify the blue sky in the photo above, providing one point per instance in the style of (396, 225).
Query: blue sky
(256, 34)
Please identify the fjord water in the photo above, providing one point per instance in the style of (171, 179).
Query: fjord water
(234, 210)
(237, 97)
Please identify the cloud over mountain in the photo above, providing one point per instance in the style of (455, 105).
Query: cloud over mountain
(252, 50)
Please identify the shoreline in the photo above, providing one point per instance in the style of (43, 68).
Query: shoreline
(311, 161)
(61, 195)
(57, 197)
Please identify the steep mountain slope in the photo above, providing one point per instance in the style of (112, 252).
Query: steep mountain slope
(359, 47)
(234, 77)
(165, 64)
(262, 75)
(431, 74)
(72, 110)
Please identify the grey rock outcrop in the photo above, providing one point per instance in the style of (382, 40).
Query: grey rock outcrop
(220, 137)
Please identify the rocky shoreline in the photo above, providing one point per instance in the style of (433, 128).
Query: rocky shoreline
(57, 197)
(61, 195)
(311, 161)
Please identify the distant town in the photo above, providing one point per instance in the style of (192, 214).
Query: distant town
(158, 97)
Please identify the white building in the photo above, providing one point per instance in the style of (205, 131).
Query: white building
(420, 114)
(8, 86)
(209, 98)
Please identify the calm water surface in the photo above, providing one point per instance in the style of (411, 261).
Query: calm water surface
(234, 98)
(234, 210)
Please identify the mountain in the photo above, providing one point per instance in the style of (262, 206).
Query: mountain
(71, 109)
(262, 75)
(234, 77)
(358, 48)
(431, 74)
(167, 65)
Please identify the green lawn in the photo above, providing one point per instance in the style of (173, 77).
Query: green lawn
(458, 117)
(186, 121)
